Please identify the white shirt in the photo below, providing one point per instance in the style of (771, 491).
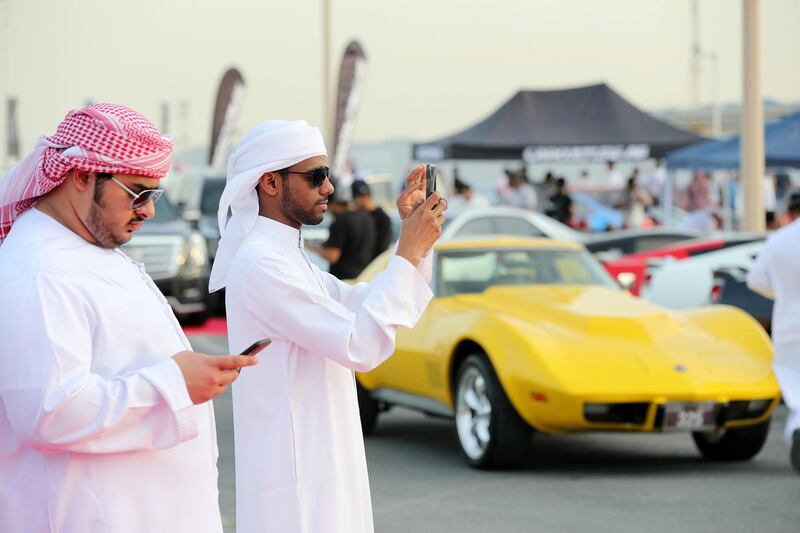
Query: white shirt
(770, 200)
(776, 274)
(615, 179)
(300, 463)
(97, 431)
(459, 202)
(523, 197)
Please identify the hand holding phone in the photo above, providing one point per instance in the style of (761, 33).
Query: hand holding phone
(256, 347)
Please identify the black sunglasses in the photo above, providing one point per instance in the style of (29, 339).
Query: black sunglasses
(317, 175)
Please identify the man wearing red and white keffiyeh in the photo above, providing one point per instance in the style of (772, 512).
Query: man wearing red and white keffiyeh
(105, 418)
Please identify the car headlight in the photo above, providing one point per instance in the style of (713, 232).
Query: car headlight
(194, 257)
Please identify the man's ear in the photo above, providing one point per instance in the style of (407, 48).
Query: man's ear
(270, 183)
(80, 179)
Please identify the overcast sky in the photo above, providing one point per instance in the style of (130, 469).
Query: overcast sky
(435, 66)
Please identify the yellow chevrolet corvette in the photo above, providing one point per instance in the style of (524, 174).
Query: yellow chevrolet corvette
(528, 336)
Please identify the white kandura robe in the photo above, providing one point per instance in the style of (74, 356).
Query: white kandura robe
(97, 431)
(776, 274)
(300, 463)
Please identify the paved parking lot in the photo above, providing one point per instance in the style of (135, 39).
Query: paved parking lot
(587, 482)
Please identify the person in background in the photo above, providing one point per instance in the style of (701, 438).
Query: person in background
(519, 194)
(380, 220)
(502, 184)
(770, 201)
(699, 204)
(775, 275)
(351, 240)
(560, 205)
(635, 201)
(614, 177)
(656, 181)
(465, 198)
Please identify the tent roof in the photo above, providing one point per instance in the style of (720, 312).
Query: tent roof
(584, 116)
(781, 148)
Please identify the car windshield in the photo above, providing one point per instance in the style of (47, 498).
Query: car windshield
(165, 210)
(475, 271)
(212, 191)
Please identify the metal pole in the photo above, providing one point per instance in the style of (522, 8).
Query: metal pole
(327, 117)
(752, 139)
(716, 108)
(695, 59)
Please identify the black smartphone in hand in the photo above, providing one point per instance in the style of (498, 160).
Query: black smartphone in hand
(430, 179)
(256, 347)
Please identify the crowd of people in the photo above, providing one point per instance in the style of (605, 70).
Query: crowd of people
(553, 197)
(719, 203)
(709, 203)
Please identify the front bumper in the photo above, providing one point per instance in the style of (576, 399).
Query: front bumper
(569, 414)
(186, 296)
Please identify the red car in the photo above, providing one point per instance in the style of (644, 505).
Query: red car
(630, 270)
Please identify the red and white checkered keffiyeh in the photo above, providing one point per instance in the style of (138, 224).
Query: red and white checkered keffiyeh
(98, 138)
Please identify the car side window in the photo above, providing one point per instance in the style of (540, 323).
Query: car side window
(465, 272)
(517, 227)
(477, 226)
(651, 242)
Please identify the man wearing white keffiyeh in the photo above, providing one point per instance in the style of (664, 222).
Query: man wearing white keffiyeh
(300, 464)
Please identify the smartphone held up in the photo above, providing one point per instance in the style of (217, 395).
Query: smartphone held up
(430, 179)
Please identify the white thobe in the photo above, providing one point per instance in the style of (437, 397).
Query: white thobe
(300, 463)
(97, 430)
(776, 275)
(523, 197)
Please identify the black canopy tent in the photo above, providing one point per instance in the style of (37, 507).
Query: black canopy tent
(579, 124)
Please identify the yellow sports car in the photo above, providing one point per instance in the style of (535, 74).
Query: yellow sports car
(528, 336)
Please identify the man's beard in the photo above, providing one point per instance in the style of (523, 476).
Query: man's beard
(294, 211)
(99, 227)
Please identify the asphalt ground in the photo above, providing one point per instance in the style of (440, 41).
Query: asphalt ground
(603, 482)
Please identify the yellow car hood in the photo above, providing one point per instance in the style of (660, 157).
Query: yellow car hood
(588, 310)
(592, 337)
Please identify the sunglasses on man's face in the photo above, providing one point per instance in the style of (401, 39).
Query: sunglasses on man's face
(316, 175)
(140, 199)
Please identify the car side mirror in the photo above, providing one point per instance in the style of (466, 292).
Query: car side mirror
(626, 280)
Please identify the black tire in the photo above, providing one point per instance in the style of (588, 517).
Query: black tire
(509, 435)
(368, 409)
(739, 444)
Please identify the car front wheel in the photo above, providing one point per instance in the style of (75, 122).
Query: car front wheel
(490, 432)
(737, 444)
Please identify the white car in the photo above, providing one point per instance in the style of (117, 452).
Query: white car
(505, 221)
(509, 221)
(688, 282)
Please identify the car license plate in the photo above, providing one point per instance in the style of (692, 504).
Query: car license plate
(690, 416)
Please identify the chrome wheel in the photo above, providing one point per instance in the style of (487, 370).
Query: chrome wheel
(473, 413)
